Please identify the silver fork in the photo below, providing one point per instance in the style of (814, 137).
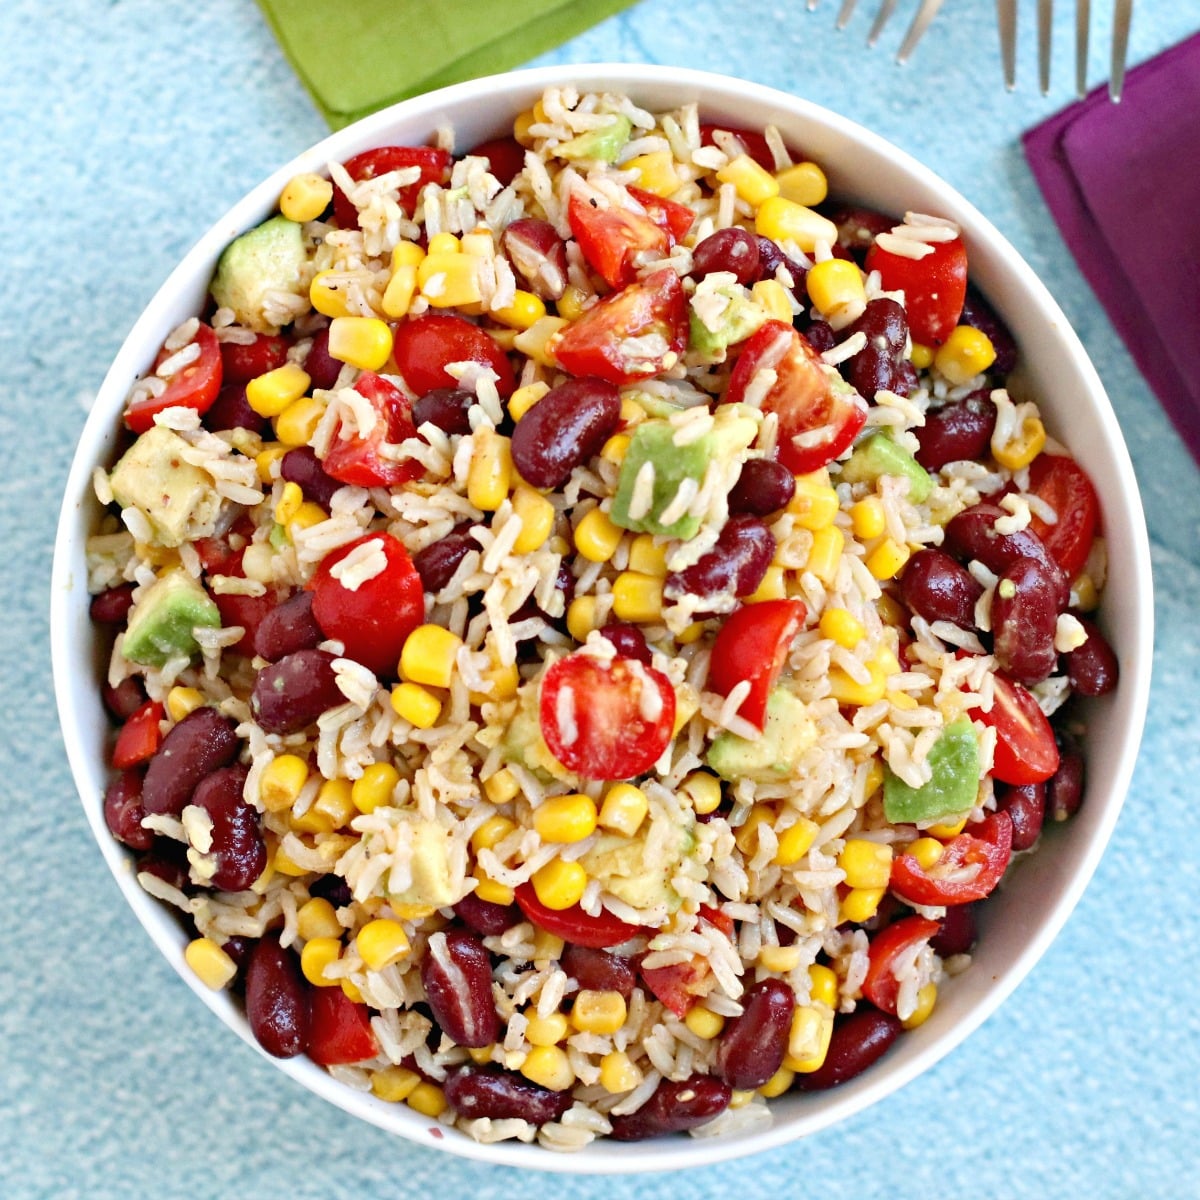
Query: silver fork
(916, 31)
(1006, 15)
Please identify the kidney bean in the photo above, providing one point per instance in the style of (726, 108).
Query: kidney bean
(979, 314)
(295, 691)
(237, 846)
(735, 566)
(753, 1045)
(733, 250)
(484, 917)
(167, 860)
(628, 640)
(538, 255)
(764, 486)
(675, 1106)
(125, 699)
(563, 429)
(956, 931)
(231, 410)
(457, 975)
(288, 627)
(599, 970)
(820, 336)
(876, 367)
(1092, 668)
(277, 1004)
(203, 742)
(858, 1041)
(446, 408)
(859, 227)
(771, 258)
(1025, 804)
(239, 948)
(111, 606)
(937, 588)
(1024, 616)
(1064, 789)
(959, 430)
(320, 366)
(496, 1094)
(123, 811)
(302, 467)
(438, 561)
(332, 888)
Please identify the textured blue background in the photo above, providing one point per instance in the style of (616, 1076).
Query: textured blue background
(126, 129)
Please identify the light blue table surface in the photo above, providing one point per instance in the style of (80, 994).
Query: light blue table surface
(128, 127)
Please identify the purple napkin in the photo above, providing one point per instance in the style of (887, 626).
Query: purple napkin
(1123, 183)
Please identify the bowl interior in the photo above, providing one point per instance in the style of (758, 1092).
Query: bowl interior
(1024, 917)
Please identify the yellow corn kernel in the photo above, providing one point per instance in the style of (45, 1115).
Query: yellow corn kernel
(901, 700)
(317, 954)
(305, 197)
(546, 1031)
(687, 702)
(823, 985)
(570, 304)
(1086, 596)
(656, 172)
(921, 356)
(428, 655)
(808, 1038)
(814, 504)
(861, 904)
(400, 290)
(312, 820)
(490, 474)
(1024, 447)
(598, 1012)
(835, 287)
(537, 519)
(874, 779)
(596, 537)
(428, 1099)
(618, 1074)
(265, 462)
(945, 830)
(363, 342)
(289, 503)
(926, 850)
(772, 587)
(327, 294)
(271, 393)
(926, 999)
(637, 597)
(382, 942)
(297, 423)
(307, 515)
(394, 1084)
(752, 182)
(771, 296)
(795, 842)
(967, 352)
(632, 413)
(867, 864)
(885, 561)
(615, 449)
(443, 243)
(646, 558)
(351, 992)
(739, 1098)
(805, 183)
(407, 254)
(417, 705)
(521, 126)
(624, 809)
(826, 553)
(281, 782)
(547, 947)
(317, 918)
(780, 959)
(703, 790)
(491, 832)
(374, 787)
(841, 627)
(867, 518)
(183, 700)
(536, 342)
(522, 313)
(209, 963)
(846, 690)
(746, 835)
(449, 280)
(560, 884)
(502, 786)
(493, 892)
(703, 1022)
(481, 1054)
(549, 1067)
(479, 243)
(581, 617)
(777, 1084)
(692, 633)
(569, 818)
(784, 220)
(334, 801)
(524, 398)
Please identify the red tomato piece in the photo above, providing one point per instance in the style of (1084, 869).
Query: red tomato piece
(818, 416)
(676, 219)
(339, 1029)
(653, 311)
(434, 165)
(1065, 486)
(934, 287)
(616, 241)
(572, 924)
(244, 361)
(714, 916)
(679, 985)
(372, 620)
(1025, 748)
(606, 720)
(985, 846)
(752, 644)
(139, 737)
(505, 155)
(424, 345)
(195, 386)
(881, 986)
(359, 460)
(247, 611)
(752, 141)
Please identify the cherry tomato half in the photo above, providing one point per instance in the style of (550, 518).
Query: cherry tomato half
(676, 219)
(433, 163)
(616, 241)
(505, 156)
(752, 644)
(934, 287)
(424, 345)
(139, 737)
(244, 361)
(374, 619)
(606, 720)
(1025, 748)
(359, 460)
(985, 846)
(195, 386)
(572, 924)
(339, 1029)
(1065, 486)
(680, 985)
(818, 416)
(881, 986)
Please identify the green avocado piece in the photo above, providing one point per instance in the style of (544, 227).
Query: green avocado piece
(600, 145)
(737, 321)
(264, 259)
(952, 788)
(162, 621)
(788, 733)
(880, 455)
(619, 865)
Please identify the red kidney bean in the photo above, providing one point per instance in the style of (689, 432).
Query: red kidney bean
(231, 410)
(599, 970)
(1064, 789)
(302, 467)
(733, 250)
(735, 566)
(484, 917)
(674, 1107)
(956, 931)
(876, 367)
(1092, 668)
(859, 1040)
(332, 888)
(203, 742)
(563, 429)
(277, 1004)
(959, 430)
(237, 846)
(167, 860)
(457, 975)
(438, 561)
(288, 627)
(320, 366)
(859, 227)
(496, 1094)
(764, 486)
(125, 699)
(446, 408)
(244, 361)
(239, 948)
(771, 258)
(752, 1046)
(1024, 617)
(820, 336)
(979, 314)
(123, 811)
(628, 640)
(295, 691)
(111, 606)
(1025, 804)
(937, 588)
(538, 255)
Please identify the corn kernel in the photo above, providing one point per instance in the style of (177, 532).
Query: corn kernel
(317, 954)
(740, 1097)
(536, 342)
(493, 892)
(327, 294)
(808, 1039)
(596, 537)
(656, 172)
(861, 904)
(571, 304)
(703, 1022)
(777, 1084)
(926, 999)
(311, 820)
(560, 884)
(569, 818)
(647, 558)
(703, 790)
(691, 633)
(795, 842)
(537, 519)
(846, 690)
(428, 1099)
(524, 311)
(549, 1067)
(334, 801)
(406, 254)
(746, 835)
(548, 1030)
(501, 681)
(637, 597)
(492, 831)
(967, 352)
(183, 700)
(209, 963)
(901, 700)
(443, 243)
(885, 561)
(836, 288)
(866, 864)
(547, 947)
(502, 786)
(772, 587)
(826, 553)
(316, 918)
(265, 462)
(752, 182)
(783, 220)
(428, 655)
(399, 293)
(805, 183)
(814, 504)
(480, 243)
(271, 393)
(289, 502)
(581, 617)
(415, 704)
(598, 1012)
(524, 398)
(632, 413)
(867, 518)
(1024, 447)
(771, 296)
(618, 1073)
(926, 851)
(305, 197)
(521, 127)
(615, 449)
(449, 280)
(281, 782)
(394, 1084)
(823, 985)
(351, 992)
(490, 474)
(921, 356)
(945, 830)
(374, 787)
(382, 942)
(841, 627)
(298, 422)
(780, 959)
(363, 342)
(1085, 595)
(624, 809)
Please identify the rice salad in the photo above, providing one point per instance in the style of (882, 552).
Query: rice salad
(590, 622)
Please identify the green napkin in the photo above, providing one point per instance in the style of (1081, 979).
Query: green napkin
(356, 56)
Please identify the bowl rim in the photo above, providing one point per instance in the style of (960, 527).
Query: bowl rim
(99, 431)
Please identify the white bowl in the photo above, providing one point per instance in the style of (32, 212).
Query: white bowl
(1023, 918)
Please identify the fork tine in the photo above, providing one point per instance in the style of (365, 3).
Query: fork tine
(916, 31)
(1122, 19)
(1045, 29)
(1083, 20)
(1006, 18)
(846, 13)
(881, 19)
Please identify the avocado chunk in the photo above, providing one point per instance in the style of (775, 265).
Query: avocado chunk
(670, 465)
(620, 865)
(177, 498)
(721, 316)
(953, 786)
(599, 145)
(880, 455)
(162, 622)
(788, 734)
(265, 259)
(431, 885)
